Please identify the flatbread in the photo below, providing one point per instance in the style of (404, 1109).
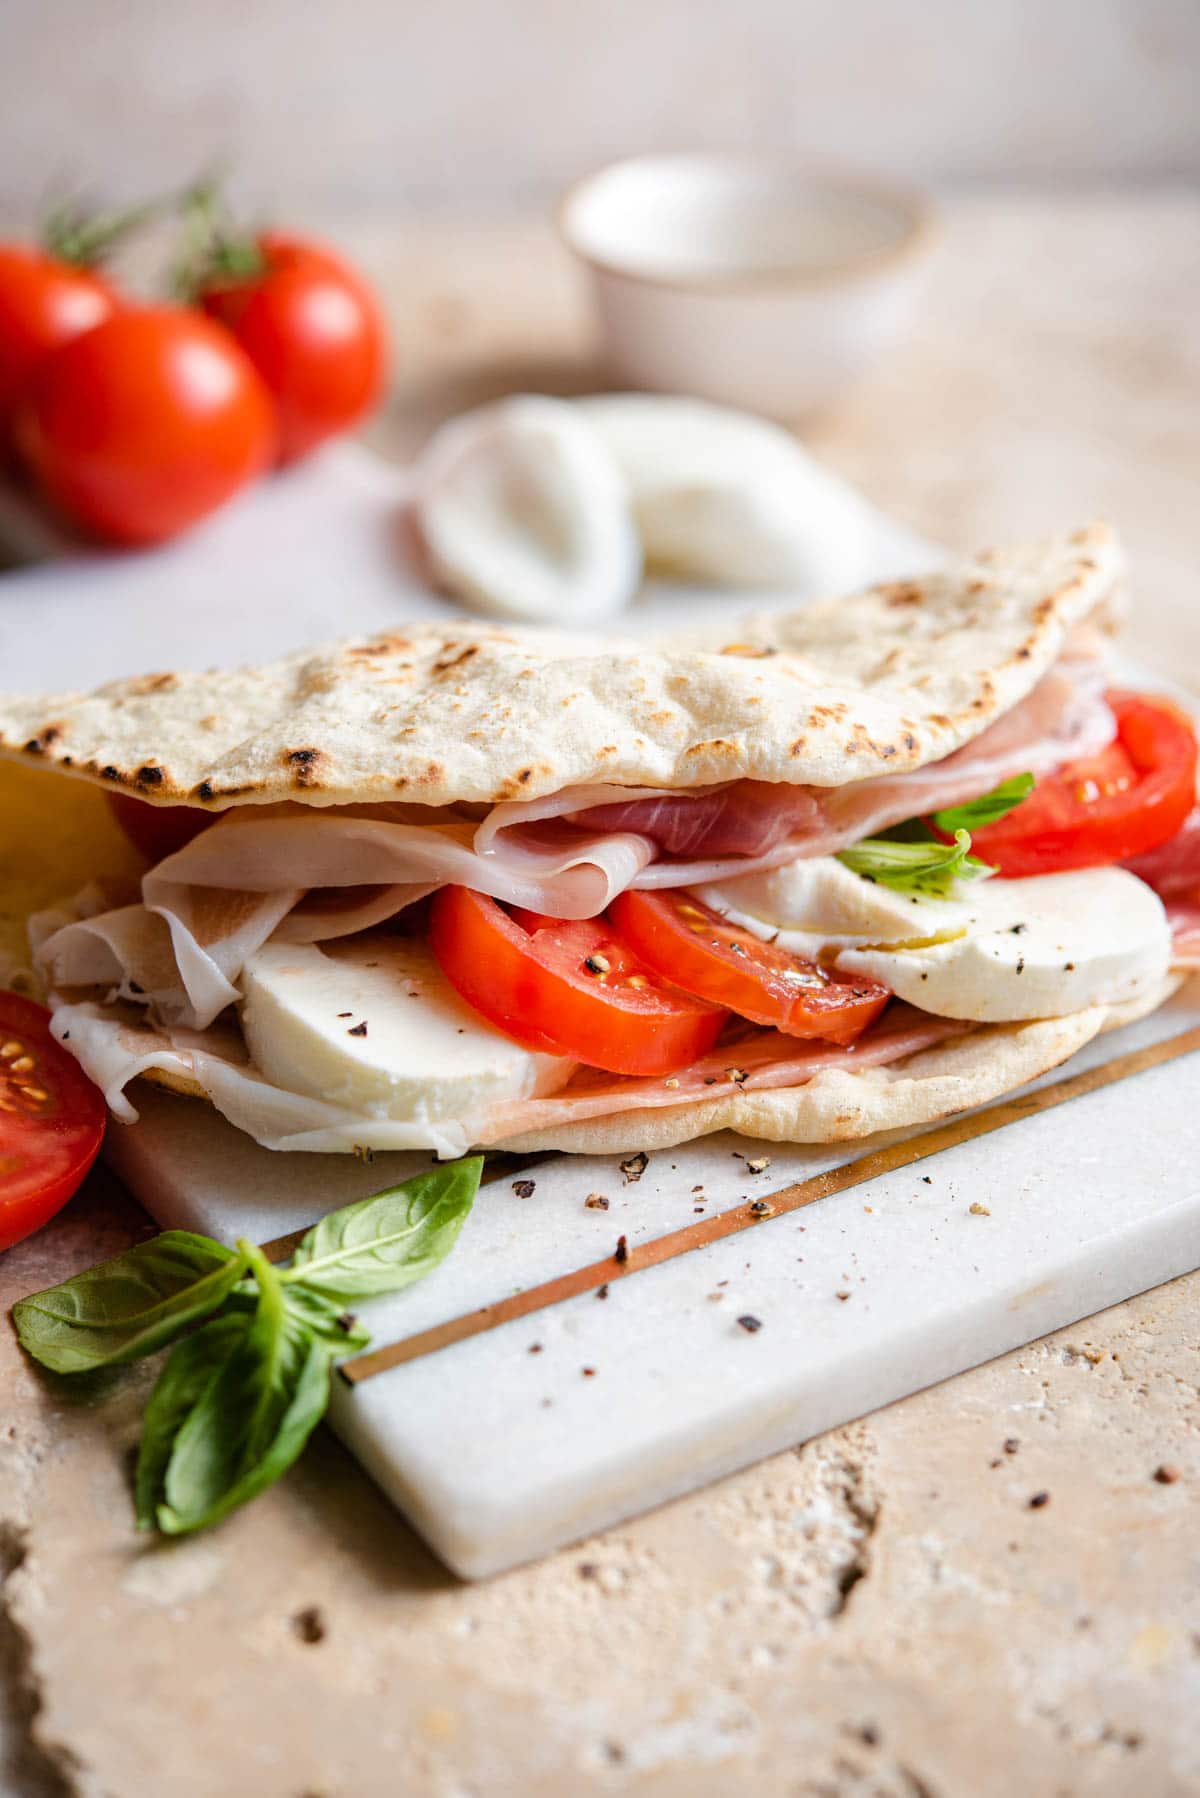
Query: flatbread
(838, 1105)
(844, 690)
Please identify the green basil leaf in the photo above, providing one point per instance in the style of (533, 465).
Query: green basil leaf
(986, 809)
(930, 868)
(192, 1366)
(384, 1243)
(128, 1306)
(251, 1420)
(327, 1318)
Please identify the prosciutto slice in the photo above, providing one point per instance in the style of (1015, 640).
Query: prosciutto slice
(748, 825)
(755, 1062)
(114, 1048)
(1173, 870)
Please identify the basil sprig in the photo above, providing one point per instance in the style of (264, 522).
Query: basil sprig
(988, 807)
(239, 1397)
(927, 867)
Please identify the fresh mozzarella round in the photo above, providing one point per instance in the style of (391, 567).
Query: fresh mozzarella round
(524, 513)
(999, 951)
(423, 1054)
(729, 499)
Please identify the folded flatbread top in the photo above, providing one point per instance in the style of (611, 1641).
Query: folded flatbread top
(279, 963)
(878, 683)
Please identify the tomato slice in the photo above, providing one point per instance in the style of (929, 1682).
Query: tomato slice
(158, 830)
(51, 1120)
(688, 943)
(567, 988)
(1131, 797)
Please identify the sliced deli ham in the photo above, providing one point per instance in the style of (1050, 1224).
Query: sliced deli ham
(752, 1061)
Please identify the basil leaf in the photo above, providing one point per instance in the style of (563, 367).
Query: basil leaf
(930, 868)
(327, 1318)
(128, 1306)
(250, 1421)
(192, 1366)
(384, 1243)
(986, 809)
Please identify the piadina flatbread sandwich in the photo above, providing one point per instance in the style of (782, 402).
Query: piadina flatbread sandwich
(854, 868)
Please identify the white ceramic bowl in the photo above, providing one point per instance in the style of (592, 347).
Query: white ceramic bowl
(756, 281)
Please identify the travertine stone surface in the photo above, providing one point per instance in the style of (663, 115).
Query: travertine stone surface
(878, 1614)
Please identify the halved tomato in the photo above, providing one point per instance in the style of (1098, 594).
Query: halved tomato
(567, 988)
(689, 944)
(1131, 797)
(51, 1120)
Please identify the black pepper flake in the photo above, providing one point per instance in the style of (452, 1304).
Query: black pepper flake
(760, 1208)
(358, 1029)
(134, 987)
(1011, 1445)
(309, 1625)
(524, 1189)
(634, 1167)
(1038, 1500)
(1068, 967)
(602, 1291)
(204, 790)
(66, 1036)
(750, 1324)
(621, 1252)
(928, 1179)
(842, 1295)
(1017, 929)
(346, 1321)
(710, 1080)
(535, 1348)
(345, 1014)
(1020, 964)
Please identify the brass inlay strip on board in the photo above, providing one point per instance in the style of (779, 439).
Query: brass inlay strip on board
(632, 1258)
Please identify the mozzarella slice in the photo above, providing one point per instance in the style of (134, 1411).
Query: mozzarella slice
(999, 951)
(424, 1054)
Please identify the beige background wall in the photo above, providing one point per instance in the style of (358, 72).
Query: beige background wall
(473, 102)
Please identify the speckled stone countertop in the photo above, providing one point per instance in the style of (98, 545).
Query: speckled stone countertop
(880, 1612)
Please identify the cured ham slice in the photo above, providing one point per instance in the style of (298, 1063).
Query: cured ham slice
(1174, 867)
(114, 1047)
(752, 1062)
(748, 825)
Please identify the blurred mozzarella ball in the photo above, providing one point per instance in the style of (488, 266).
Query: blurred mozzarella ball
(524, 513)
(723, 498)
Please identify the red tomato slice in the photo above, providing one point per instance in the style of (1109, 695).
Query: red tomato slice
(51, 1120)
(1131, 797)
(567, 988)
(158, 830)
(688, 943)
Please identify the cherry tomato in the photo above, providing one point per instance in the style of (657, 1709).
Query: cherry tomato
(145, 424)
(567, 988)
(314, 331)
(689, 944)
(1131, 797)
(51, 1120)
(158, 830)
(44, 303)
